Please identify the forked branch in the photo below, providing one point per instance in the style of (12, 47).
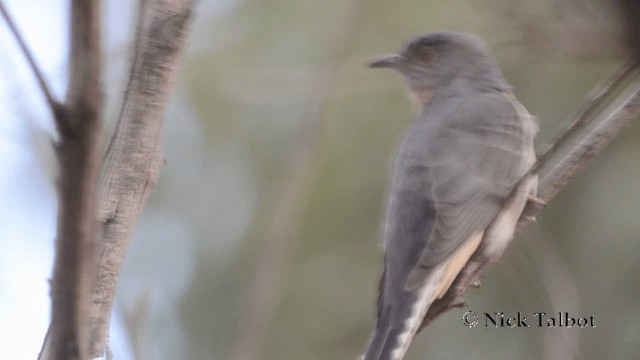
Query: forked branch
(56, 107)
(79, 126)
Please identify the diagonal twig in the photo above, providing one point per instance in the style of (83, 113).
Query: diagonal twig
(601, 133)
(593, 100)
(54, 105)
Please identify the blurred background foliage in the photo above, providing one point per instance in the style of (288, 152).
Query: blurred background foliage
(277, 134)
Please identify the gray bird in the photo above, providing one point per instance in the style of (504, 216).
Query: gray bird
(460, 180)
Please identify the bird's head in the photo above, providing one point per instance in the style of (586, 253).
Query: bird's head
(436, 59)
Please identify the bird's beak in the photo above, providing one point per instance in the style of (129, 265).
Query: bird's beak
(390, 61)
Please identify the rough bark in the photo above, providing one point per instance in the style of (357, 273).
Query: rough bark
(134, 156)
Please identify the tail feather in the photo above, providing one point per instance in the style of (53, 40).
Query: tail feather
(394, 334)
(384, 344)
(399, 323)
(377, 345)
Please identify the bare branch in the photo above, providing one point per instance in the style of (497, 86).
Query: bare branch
(600, 133)
(279, 237)
(134, 156)
(79, 125)
(53, 104)
(594, 99)
(603, 131)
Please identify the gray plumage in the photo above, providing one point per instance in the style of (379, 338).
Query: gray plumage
(457, 164)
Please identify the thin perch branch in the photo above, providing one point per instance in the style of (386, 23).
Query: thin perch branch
(601, 132)
(55, 106)
(134, 155)
(79, 124)
(593, 100)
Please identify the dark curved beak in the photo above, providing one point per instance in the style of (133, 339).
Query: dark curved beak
(390, 61)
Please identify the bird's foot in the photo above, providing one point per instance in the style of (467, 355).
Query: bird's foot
(458, 303)
(536, 200)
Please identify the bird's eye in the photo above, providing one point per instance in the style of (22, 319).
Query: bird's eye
(424, 54)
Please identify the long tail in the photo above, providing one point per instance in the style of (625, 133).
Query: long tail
(394, 332)
(401, 311)
(384, 343)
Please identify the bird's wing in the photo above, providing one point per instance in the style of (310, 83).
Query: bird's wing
(455, 168)
(453, 174)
